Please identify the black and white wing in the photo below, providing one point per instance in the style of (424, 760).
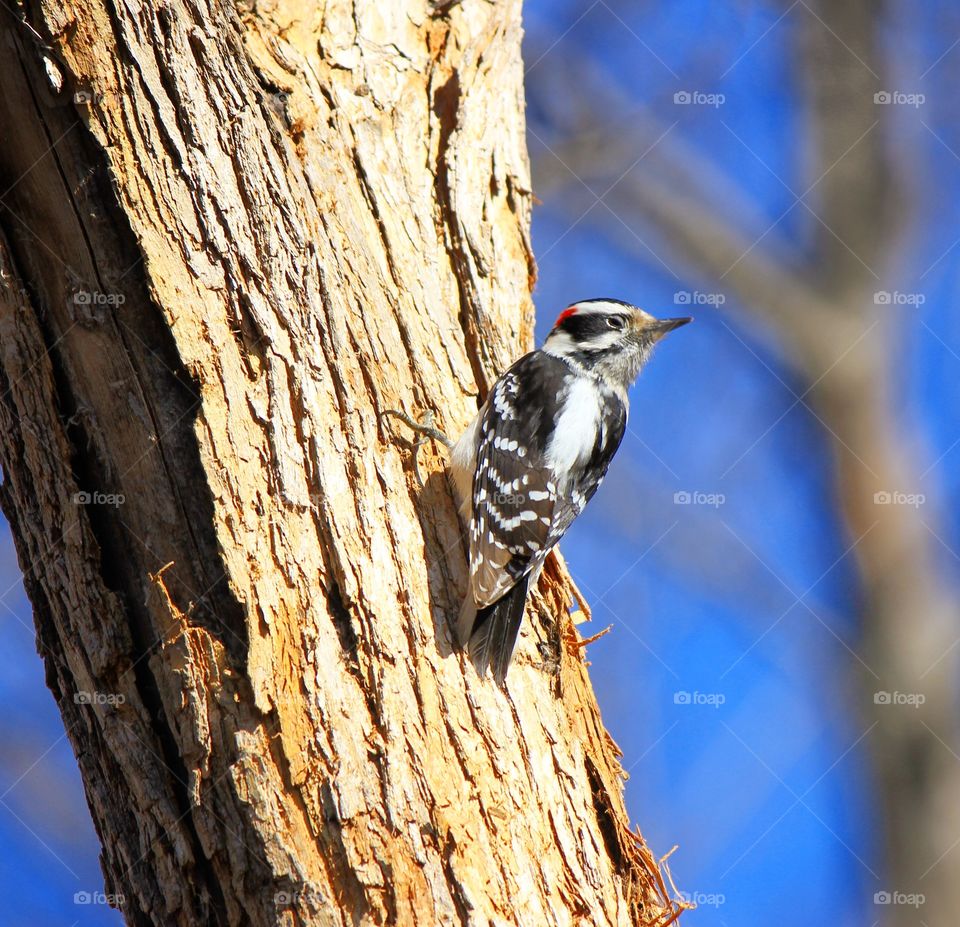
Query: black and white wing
(538, 464)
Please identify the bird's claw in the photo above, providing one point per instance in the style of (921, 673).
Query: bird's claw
(426, 432)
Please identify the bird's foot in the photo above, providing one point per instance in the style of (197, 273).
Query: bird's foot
(426, 430)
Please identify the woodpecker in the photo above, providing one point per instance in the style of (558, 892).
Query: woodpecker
(535, 455)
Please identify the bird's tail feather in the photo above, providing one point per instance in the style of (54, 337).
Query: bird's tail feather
(494, 631)
(468, 615)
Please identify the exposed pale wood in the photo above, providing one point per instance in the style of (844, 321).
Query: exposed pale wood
(311, 215)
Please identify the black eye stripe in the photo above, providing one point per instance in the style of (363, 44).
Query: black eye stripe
(583, 326)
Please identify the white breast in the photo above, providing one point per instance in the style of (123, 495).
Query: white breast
(463, 462)
(575, 435)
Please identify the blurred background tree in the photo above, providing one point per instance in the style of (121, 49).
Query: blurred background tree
(777, 547)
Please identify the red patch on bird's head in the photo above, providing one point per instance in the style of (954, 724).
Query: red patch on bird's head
(565, 315)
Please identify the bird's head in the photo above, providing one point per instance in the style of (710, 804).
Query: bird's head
(608, 337)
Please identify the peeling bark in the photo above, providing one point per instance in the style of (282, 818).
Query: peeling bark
(230, 237)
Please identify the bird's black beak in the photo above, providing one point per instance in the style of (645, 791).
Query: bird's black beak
(662, 326)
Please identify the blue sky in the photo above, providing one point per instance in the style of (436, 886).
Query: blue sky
(768, 794)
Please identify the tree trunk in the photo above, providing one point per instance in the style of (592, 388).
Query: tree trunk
(230, 237)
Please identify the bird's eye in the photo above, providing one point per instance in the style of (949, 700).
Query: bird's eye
(616, 321)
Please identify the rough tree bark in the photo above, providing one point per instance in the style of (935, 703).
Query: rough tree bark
(231, 235)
